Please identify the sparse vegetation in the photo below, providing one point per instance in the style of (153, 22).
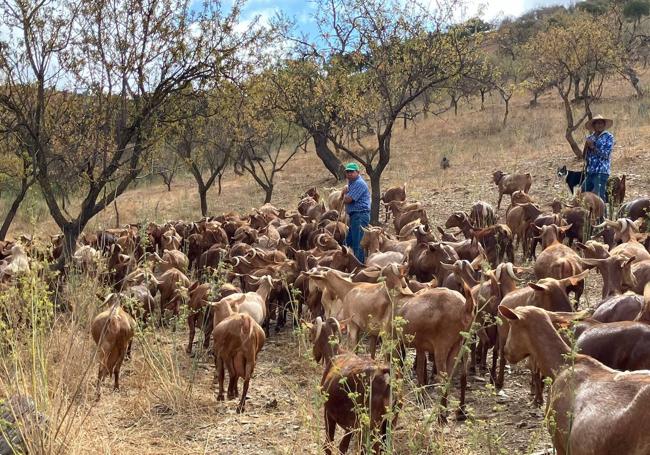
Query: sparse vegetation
(80, 132)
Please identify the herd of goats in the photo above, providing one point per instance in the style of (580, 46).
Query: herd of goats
(439, 285)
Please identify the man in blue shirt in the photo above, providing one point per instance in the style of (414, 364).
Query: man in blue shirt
(357, 205)
(597, 153)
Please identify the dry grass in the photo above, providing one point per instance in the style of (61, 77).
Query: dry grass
(167, 402)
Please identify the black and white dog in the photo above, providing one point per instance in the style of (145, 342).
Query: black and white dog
(572, 178)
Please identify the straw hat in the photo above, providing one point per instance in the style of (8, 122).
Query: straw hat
(590, 124)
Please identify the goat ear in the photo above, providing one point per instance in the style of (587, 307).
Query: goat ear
(537, 287)
(576, 279)
(628, 261)
(591, 262)
(581, 246)
(508, 313)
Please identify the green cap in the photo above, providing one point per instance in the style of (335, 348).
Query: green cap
(352, 167)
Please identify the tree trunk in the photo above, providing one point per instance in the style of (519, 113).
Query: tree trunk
(570, 123)
(13, 210)
(268, 193)
(329, 159)
(482, 99)
(71, 232)
(507, 110)
(203, 196)
(576, 89)
(634, 80)
(375, 187)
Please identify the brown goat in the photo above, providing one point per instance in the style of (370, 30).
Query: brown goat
(435, 319)
(112, 330)
(547, 293)
(237, 341)
(616, 189)
(172, 286)
(509, 183)
(591, 202)
(350, 381)
(616, 271)
(558, 260)
(595, 409)
(623, 345)
(397, 193)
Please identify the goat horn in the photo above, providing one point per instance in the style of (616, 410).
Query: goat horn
(623, 224)
(336, 322)
(318, 240)
(319, 327)
(511, 272)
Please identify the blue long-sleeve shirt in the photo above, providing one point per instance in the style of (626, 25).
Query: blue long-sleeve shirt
(358, 191)
(599, 158)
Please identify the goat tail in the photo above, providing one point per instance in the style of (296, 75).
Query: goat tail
(247, 326)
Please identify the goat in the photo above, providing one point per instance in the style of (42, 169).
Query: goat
(616, 190)
(350, 381)
(435, 319)
(635, 209)
(445, 163)
(626, 231)
(393, 194)
(547, 293)
(509, 183)
(616, 271)
(519, 219)
(112, 330)
(367, 307)
(481, 214)
(172, 286)
(595, 409)
(237, 339)
(425, 258)
(556, 259)
(623, 345)
(592, 203)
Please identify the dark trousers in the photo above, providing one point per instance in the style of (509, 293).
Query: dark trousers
(355, 234)
(596, 183)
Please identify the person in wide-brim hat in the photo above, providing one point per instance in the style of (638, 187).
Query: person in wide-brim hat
(590, 124)
(597, 153)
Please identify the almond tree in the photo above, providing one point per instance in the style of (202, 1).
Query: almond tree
(574, 47)
(379, 57)
(86, 83)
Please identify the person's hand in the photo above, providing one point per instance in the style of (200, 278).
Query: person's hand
(589, 143)
(344, 191)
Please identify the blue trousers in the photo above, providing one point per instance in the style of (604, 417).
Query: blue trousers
(355, 234)
(596, 183)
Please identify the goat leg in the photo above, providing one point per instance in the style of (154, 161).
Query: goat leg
(460, 412)
(345, 442)
(219, 375)
(502, 369)
(493, 370)
(330, 430)
(421, 367)
(191, 322)
(244, 391)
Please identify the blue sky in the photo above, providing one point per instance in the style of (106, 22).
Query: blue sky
(302, 10)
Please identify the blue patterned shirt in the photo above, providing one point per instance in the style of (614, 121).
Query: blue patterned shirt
(599, 158)
(358, 191)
